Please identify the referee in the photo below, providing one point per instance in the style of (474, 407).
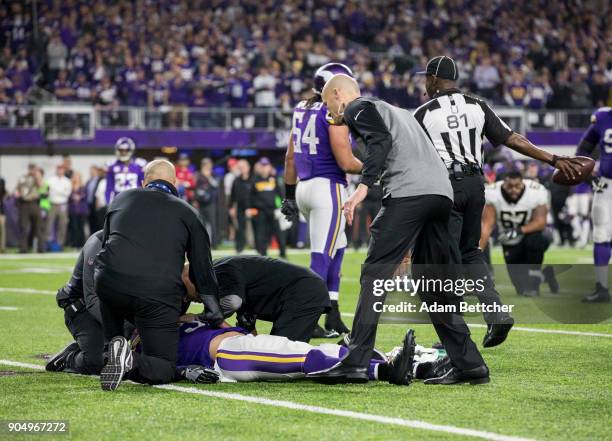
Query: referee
(456, 124)
(147, 232)
(416, 205)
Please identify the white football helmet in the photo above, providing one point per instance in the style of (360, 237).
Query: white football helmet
(125, 148)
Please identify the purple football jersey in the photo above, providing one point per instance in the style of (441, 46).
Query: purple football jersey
(600, 133)
(194, 343)
(122, 176)
(313, 153)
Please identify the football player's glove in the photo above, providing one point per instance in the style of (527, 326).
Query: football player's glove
(199, 374)
(512, 235)
(246, 321)
(290, 209)
(212, 311)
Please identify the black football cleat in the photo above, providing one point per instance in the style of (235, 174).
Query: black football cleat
(119, 363)
(551, 279)
(432, 369)
(600, 295)
(478, 375)
(402, 361)
(498, 332)
(333, 320)
(57, 362)
(340, 373)
(319, 332)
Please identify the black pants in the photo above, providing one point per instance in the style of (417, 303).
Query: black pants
(209, 215)
(420, 224)
(305, 301)
(265, 225)
(76, 229)
(157, 326)
(88, 334)
(464, 230)
(524, 261)
(367, 211)
(240, 229)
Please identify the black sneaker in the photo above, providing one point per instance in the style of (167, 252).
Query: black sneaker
(119, 363)
(319, 332)
(57, 362)
(478, 375)
(551, 279)
(401, 362)
(333, 320)
(600, 295)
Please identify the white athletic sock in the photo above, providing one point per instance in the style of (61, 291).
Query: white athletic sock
(601, 273)
(333, 295)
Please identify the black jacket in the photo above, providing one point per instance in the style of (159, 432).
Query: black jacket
(81, 283)
(147, 233)
(264, 192)
(262, 283)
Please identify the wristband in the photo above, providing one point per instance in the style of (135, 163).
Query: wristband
(290, 191)
(554, 160)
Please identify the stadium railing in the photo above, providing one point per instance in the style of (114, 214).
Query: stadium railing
(60, 119)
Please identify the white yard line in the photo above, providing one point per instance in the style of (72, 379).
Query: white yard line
(9, 308)
(540, 330)
(43, 256)
(381, 419)
(28, 291)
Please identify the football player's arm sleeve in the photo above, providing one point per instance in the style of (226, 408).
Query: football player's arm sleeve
(496, 131)
(364, 119)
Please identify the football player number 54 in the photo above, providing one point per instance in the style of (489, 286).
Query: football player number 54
(309, 136)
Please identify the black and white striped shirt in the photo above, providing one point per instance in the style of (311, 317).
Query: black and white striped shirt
(456, 124)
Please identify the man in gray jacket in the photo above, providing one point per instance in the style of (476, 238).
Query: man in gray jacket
(416, 206)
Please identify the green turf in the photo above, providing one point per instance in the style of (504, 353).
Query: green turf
(544, 386)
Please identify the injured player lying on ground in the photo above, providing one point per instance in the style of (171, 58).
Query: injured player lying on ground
(231, 354)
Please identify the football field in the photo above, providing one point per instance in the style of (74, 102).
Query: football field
(548, 382)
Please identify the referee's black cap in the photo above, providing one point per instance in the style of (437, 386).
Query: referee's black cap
(442, 67)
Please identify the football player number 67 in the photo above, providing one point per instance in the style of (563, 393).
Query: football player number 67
(308, 137)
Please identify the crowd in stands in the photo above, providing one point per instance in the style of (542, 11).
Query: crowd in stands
(262, 53)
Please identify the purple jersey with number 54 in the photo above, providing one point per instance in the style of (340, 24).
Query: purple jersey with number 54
(311, 144)
(600, 134)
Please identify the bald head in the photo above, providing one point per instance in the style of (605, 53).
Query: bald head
(159, 169)
(343, 83)
(338, 92)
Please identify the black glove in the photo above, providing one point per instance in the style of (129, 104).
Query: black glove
(212, 311)
(199, 374)
(290, 209)
(511, 235)
(246, 321)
